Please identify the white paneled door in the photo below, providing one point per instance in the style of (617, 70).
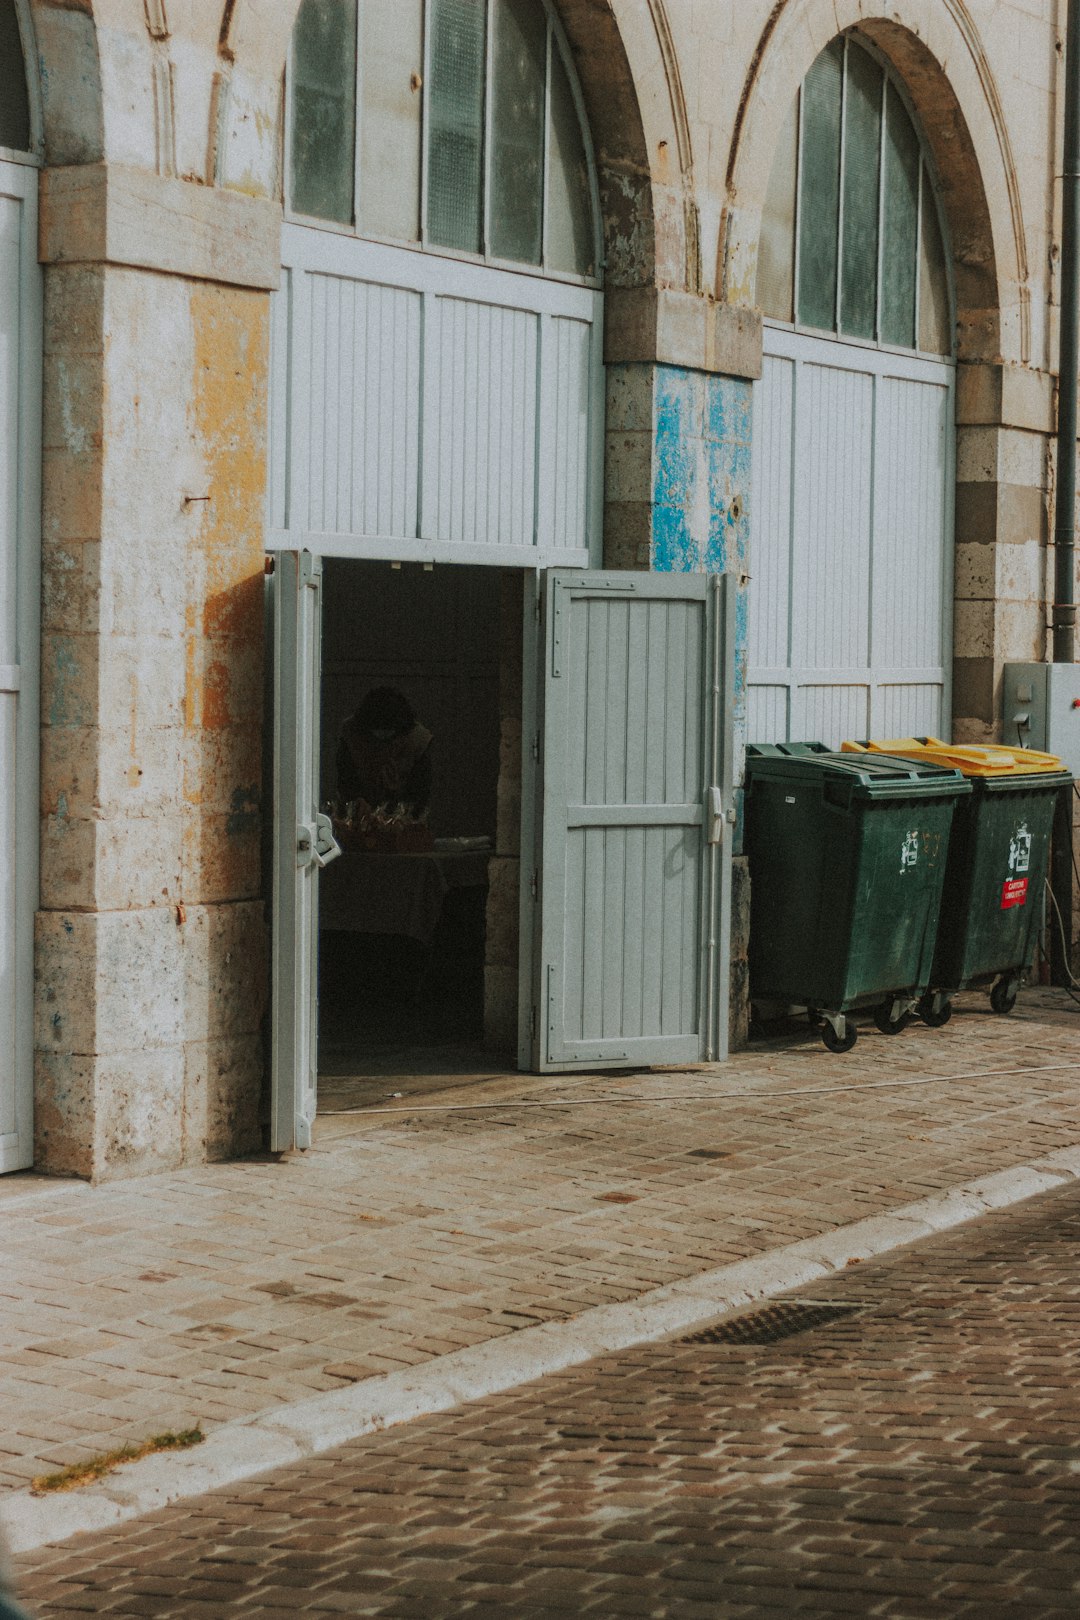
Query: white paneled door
(20, 480)
(850, 600)
(627, 954)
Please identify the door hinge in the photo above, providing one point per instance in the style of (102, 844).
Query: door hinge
(532, 1024)
(536, 748)
(534, 885)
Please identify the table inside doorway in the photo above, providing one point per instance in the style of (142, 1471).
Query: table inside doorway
(369, 892)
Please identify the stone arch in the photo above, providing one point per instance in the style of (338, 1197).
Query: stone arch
(642, 141)
(61, 43)
(937, 54)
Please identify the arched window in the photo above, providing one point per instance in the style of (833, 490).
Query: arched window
(851, 236)
(15, 130)
(453, 124)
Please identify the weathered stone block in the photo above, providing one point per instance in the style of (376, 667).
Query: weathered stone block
(139, 1124)
(222, 1091)
(108, 982)
(224, 969)
(222, 857)
(64, 1101)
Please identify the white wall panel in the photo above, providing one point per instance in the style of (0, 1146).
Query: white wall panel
(851, 549)
(483, 430)
(908, 711)
(365, 407)
(770, 598)
(20, 534)
(571, 403)
(911, 486)
(421, 406)
(833, 464)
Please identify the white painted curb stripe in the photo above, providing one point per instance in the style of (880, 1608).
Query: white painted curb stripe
(292, 1432)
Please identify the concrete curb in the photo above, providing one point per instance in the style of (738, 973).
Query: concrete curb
(292, 1432)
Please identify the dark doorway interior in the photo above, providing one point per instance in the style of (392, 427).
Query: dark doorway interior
(403, 911)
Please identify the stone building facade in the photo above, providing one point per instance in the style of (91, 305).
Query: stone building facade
(157, 138)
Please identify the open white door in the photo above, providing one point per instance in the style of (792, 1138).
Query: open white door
(629, 937)
(303, 844)
(20, 529)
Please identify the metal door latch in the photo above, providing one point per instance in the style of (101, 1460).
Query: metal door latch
(316, 842)
(714, 816)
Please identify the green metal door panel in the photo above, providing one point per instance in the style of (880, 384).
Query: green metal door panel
(633, 871)
(303, 844)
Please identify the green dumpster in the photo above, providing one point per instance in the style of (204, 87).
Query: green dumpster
(847, 861)
(991, 908)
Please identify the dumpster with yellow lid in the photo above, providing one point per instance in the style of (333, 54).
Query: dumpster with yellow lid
(999, 849)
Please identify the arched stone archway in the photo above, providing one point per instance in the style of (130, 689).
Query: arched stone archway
(938, 56)
(1004, 406)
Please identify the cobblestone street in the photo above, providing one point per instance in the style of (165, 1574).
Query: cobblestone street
(914, 1457)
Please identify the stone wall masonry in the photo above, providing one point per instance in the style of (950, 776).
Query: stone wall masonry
(151, 961)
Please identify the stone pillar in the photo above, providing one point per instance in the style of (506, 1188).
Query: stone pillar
(1005, 419)
(677, 483)
(151, 956)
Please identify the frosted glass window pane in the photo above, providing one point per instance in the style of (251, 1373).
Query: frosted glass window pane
(456, 115)
(516, 227)
(324, 109)
(14, 101)
(935, 335)
(391, 98)
(819, 202)
(776, 249)
(571, 238)
(901, 217)
(862, 161)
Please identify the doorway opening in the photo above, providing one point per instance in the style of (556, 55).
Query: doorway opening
(418, 917)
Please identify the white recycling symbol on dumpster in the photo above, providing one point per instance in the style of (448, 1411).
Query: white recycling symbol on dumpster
(1020, 849)
(909, 853)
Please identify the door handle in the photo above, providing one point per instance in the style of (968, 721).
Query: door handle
(316, 842)
(327, 848)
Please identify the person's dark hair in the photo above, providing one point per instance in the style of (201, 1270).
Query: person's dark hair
(386, 709)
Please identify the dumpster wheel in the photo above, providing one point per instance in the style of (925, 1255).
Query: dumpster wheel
(1003, 995)
(934, 1009)
(837, 1032)
(893, 1015)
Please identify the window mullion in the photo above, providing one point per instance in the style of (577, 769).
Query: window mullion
(918, 253)
(425, 123)
(546, 165)
(838, 302)
(358, 114)
(796, 257)
(881, 211)
(488, 120)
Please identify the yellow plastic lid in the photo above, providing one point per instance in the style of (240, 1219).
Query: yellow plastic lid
(974, 759)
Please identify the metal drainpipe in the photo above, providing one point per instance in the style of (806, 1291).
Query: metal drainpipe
(1064, 615)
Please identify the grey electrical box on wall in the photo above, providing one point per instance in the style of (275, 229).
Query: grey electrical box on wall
(1042, 710)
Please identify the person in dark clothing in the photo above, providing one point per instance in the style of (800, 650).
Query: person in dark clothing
(384, 756)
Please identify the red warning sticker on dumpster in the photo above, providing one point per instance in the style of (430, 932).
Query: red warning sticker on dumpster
(1013, 892)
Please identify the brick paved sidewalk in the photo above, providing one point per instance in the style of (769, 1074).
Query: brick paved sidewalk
(915, 1458)
(210, 1294)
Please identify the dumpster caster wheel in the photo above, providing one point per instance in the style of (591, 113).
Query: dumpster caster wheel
(888, 1020)
(1003, 996)
(837, 1042)
(935, 1010)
